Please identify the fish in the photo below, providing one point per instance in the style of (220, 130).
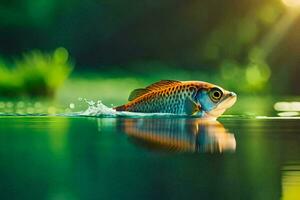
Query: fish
(196, 98)
(179, 134)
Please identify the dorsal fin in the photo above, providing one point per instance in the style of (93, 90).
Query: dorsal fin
(137, 93)
(162, 84)
(155, 86)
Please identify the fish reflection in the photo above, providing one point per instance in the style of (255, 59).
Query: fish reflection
(188, 135)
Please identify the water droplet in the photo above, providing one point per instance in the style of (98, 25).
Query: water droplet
(72, 105)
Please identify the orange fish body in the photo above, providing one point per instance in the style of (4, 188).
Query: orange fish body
(183, 134)
(168, 96)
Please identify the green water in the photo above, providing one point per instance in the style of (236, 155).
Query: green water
(149, 158)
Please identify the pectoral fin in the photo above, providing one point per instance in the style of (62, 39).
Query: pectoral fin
(191, 107)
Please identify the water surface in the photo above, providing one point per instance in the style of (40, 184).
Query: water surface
(44, 157)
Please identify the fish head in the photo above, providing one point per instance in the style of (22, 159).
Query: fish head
(215, 100)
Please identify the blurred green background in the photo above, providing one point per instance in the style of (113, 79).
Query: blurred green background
(102, 49)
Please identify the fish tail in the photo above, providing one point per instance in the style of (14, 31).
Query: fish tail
(120, 108)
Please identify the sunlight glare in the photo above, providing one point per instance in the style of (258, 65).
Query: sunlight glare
(292, 3)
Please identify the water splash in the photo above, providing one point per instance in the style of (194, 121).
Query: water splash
(97, 109)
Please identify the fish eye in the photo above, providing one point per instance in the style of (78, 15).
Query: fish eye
(215, 94)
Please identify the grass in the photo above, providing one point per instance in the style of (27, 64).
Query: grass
(34, 74)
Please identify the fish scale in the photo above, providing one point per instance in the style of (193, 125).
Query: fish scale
(168, 99)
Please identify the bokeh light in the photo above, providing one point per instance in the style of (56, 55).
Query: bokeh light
(292, 3)
(287, 106)
(257, 75)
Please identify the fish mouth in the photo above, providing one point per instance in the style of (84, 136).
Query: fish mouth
(226, 103)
